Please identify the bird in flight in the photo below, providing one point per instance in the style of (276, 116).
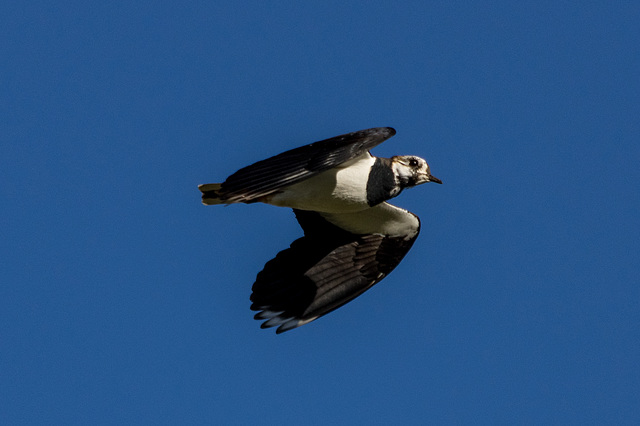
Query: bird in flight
(353, 237)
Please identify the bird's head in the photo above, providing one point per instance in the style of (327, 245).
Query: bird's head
(411, 171)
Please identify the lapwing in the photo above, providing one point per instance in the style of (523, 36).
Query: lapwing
(353, 237)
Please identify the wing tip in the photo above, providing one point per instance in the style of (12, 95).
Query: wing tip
(382, 132)
(390, 131)
(278, 319)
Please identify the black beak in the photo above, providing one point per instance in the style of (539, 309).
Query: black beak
(434, 179)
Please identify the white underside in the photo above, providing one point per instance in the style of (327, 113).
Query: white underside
(342, 189)
(385, 219)
(339, 195)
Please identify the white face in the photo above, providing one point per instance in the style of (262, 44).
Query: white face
(412, 170)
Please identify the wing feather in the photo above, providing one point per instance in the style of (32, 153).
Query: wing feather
(329, 266)
(290, 167)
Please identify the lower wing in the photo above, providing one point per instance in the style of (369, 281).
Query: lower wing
(340, 257)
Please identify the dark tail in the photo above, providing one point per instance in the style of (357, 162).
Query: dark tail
(210, 194)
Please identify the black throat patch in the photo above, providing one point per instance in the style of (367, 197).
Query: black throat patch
(381, 184)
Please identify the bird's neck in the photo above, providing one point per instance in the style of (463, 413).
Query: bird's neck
(382, 184)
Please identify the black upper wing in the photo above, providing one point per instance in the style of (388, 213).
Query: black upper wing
(323, 270)
(293, 166)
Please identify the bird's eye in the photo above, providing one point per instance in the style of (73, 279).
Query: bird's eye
(413, 162)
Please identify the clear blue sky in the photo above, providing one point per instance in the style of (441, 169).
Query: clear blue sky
(125, 301)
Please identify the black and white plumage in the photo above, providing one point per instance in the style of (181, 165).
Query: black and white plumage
(352, 237)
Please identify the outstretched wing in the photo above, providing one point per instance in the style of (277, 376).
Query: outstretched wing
(340, 257)
(290, 167)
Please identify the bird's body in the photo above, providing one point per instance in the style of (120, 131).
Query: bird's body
(336, 190)
(353, 237)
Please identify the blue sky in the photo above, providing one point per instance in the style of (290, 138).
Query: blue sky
(125, 301)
